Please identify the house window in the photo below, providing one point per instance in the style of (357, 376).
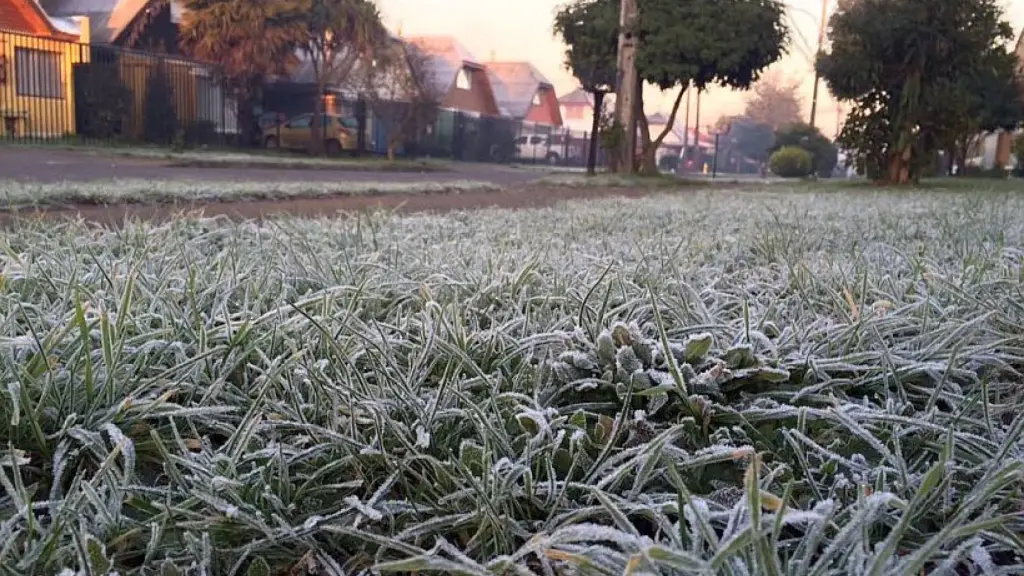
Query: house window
(536, 99)
(462, 80)
(37, 73)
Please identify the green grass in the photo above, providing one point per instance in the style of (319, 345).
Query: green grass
(20, 195)
(722, 382)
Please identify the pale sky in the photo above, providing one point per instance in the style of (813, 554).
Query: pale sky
(521, 30)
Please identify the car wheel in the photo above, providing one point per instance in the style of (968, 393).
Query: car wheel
(333, 148)
(271, 143)
(553, 159)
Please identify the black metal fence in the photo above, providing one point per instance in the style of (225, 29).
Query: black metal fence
(53, 90)
(467, 137)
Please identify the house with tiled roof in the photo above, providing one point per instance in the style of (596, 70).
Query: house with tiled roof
(464, 83)
(37, 58)
(524, 93)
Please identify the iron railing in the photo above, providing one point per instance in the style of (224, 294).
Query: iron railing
(56, 91)
(59, 91)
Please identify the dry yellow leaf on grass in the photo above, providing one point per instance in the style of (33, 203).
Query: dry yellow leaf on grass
(562, 556)
(854, 309)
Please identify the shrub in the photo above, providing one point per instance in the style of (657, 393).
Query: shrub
(824, 154)
(161, 118)
(791, 162)
(995, 173)
(668, 163)
(102, 101)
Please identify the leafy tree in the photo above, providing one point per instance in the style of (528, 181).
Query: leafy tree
(824, 155)
(748, 138)
(983, 99)
(398, 87)
(907, 66)
(590, 57)
(251, 41)
(335, 35)
(682, 44)
(775, 103)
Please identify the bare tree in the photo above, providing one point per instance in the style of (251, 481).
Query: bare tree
(398, 86)
(336, 35)
(775, 102)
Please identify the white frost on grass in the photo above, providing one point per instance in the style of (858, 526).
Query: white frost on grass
(384, 388)
(17, 194)
(268, 159)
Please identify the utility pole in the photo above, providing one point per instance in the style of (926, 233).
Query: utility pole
(686, 131)
(625, 100)
(817, 75)
(696, 136)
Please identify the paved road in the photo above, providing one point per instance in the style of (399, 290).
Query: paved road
(56, 165)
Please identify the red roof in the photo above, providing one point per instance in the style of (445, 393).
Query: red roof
(26, 17)
(13, 18)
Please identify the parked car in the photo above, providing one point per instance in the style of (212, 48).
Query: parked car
(297, 134)
(537, 147)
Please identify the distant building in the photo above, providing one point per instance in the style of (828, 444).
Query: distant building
(149, 25)
(464, 83)
(38, 55)
(523, 93)
(577, 109)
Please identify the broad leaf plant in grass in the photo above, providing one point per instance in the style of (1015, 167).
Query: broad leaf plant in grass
(721, 382)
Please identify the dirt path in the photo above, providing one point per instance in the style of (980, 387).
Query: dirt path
(512, 198)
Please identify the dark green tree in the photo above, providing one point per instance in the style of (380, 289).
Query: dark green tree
(682, 44)
(251, 41)
(824, 155)
(160, 114)
(984, 99)
(335, 35)
(589, 56)
(747, 138)
(907, 66)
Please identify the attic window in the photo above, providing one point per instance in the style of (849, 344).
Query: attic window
(536, 99)
(462, 80)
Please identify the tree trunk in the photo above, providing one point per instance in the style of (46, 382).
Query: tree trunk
(647, 159)
(594, 129)
(316, 139)
(649, 163)
(246, 119)
(898, 172)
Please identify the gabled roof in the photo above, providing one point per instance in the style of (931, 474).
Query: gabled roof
(515, 84)
(445, 57)
(577, 96)
(28, 17)
(108, 19)
(1019, 50)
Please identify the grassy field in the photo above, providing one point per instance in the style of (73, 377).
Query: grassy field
(233, 158)
(16, 195)
(711, 383)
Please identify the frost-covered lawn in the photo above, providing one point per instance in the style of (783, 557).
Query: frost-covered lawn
(211, 159)
(25, 194)
(719, 383)
(220, 158)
